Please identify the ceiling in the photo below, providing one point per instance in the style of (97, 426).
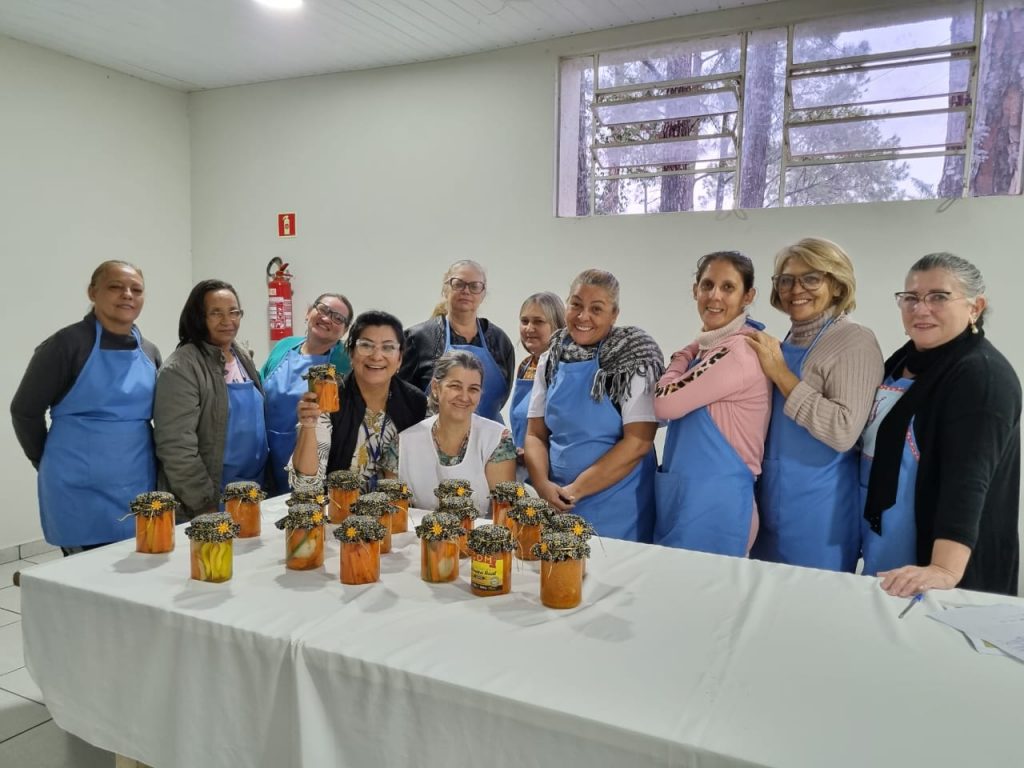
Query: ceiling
(192, 45)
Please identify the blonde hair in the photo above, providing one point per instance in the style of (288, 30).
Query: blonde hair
(442, 308)
(551, 307)
(598, 278)
(822, 256)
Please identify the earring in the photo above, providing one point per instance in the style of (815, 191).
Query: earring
(974, 328)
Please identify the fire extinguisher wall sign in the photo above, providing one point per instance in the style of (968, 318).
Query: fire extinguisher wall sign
(286, 225)
(279, 300)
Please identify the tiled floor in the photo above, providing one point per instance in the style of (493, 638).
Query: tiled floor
(28, 736)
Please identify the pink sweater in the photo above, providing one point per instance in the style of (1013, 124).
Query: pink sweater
(730, 382)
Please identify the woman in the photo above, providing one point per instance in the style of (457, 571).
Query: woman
(455, 442)
(590, 435)
(943, 447)
(825, 375)
(375, 406)
(719, 402)
(326, 321)
(97, 379)
(456, 325)
(541, 315)
(208, 416)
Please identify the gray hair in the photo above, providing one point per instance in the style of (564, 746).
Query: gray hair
(965, 273)
(551, 307)
(445, 364)
(598, 278)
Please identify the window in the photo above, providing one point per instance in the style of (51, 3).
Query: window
(891, 105)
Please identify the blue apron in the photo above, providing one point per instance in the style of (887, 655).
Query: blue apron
(581, 432)
(704, 493)
(517, 412)
(808, 496)
(99, 450)
(245, 443)
(494, 387)
(283, 390)
(896, 546)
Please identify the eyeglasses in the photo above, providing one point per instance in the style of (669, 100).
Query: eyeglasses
(474, 287)
(810, 281)
(935, 300)
(218, 315)
(326, 312)
(366, 348)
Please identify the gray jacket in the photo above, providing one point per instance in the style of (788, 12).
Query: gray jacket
(190, 421)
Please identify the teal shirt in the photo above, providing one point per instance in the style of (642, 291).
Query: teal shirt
(339, 356)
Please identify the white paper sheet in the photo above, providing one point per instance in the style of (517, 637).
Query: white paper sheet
(1000, 625)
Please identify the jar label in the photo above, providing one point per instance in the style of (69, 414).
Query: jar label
(486, 573)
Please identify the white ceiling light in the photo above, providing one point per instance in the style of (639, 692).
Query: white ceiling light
(281, 5)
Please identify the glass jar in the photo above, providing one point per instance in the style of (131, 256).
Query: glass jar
(490, 574)
(247, 514)
(526, 537)
(154, 522)
(439, 560)
(324, 382)
(561, 583)
(499, 511)
(341, 503)
(211, 560)
(360, 562)
(304, 548)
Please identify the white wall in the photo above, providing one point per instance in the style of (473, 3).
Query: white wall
(94, 165)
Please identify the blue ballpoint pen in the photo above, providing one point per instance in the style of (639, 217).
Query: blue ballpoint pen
(913, 601)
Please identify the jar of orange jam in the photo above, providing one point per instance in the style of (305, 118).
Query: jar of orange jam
(525, 519)
(562, 556)
(504, 495)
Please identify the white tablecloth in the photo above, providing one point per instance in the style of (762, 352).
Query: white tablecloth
(674, 658)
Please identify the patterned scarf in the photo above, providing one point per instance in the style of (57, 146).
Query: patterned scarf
(625, 352)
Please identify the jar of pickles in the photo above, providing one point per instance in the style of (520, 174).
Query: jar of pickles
(154, 522)
(561, 568)
(317, 497)
(453, 487)
(504, 495)
(525, 519)
(323, 380)
(490, 560)
(360, 538)
(439, 547)
(400, 496)
(242, 502)
(464, 508)
(343, 487)
(303, 527)
(378, 506)
(211, 537)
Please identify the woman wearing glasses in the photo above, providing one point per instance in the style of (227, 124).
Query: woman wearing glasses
(96, 377)
(456, 325)
(719, 402)
(825, 374)
(375, 406)
(941, 453)
(326, 322)
(208, 417)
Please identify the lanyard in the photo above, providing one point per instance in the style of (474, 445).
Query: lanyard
(373, 454)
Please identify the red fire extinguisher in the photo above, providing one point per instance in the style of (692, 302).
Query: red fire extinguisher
(279, 299)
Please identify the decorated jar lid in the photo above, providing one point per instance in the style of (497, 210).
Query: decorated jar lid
(345, 479)
(491, 540)
(307, 497)
(453, 487)
(530, 511)
(438, 526)
(301, 516)
(508, 490)
(360, 529)
(154, 504)
(462, 507)
(325, 372)
(558, 546)
(213, 527)
(570, 523)
(373, 504)
(395, 489)
(244, 489)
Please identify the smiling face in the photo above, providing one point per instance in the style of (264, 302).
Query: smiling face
(222, 317)
(534, 329)
(590, 314)
(458, 393)
(375, 366)
(932, 326)
(464, 300)
(799, 302)
(321, 330)
(117, 297)
(719, 294)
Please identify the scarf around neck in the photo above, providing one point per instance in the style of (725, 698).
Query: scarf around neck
(928, 367)
(625, 353)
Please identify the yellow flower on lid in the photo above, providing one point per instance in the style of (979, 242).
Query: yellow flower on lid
(520, 491)
(223, 528)
(318, 517)
(436, 528)
(578, 529)
(405, 488)
(350, 532)
(543, 546)
(254, 493)
(530, 512)
(460, 491)
(156, 505)
(321, 499)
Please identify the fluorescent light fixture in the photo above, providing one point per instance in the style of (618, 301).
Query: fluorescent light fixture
(281, 5)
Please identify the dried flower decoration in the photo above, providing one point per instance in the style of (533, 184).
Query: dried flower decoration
(213, 527)
(558, 546)
(567, 522)
(395, 489)
(453, 487)
(307, 497)
(154, 504)
(301, 516)
(360, 529)
(509, 491)
(438, 526)
(244, 489)
(530, 511)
